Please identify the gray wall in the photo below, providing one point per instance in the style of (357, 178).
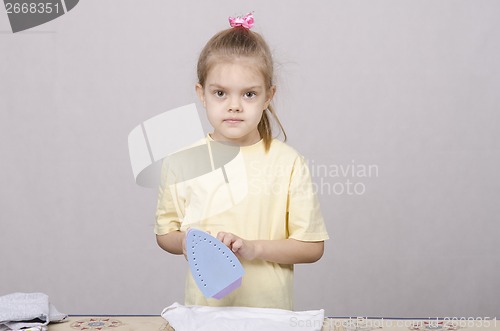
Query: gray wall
(405, 90)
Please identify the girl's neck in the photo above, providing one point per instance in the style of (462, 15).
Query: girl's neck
(247, 141)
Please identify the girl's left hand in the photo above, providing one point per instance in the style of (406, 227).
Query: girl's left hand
(241, 247)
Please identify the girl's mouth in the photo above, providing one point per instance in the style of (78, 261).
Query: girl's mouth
(233, 120)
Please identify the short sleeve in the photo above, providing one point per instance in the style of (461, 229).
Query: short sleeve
(304, 219)
(167, 216)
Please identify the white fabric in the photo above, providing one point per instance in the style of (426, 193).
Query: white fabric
(204, 318)
(35, 328)
(27, 310)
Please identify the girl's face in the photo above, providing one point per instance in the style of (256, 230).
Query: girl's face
(235, 96)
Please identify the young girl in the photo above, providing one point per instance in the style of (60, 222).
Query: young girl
(278, 222)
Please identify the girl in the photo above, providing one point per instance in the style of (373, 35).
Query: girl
(278, 222)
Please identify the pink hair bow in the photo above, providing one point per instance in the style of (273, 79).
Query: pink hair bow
(245, 21)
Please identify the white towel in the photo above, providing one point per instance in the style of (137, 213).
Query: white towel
(201, 318)
(27, 310)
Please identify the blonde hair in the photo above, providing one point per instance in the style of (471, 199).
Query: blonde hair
(241, 42)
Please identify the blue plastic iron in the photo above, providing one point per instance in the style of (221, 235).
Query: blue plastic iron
(215, 268)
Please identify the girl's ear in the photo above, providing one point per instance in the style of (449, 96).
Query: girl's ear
(201, 94)
(270, 96)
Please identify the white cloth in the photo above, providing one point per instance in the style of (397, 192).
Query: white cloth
(27, 310)
(203, 318)
(35, 328)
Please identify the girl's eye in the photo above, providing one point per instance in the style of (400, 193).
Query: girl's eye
(250, 95)
(219, 94)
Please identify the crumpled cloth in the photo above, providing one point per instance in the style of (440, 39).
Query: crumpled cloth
(31, 311)
(201, 318)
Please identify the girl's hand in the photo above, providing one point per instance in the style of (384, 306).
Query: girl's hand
(242, 248)
(183, 244)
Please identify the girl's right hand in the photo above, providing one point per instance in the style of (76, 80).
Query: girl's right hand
(184, 251)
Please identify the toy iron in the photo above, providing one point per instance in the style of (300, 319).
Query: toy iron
(215, 268)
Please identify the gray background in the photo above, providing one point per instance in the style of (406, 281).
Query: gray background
(408, 86)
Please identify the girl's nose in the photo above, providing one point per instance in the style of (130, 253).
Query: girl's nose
(235, 105)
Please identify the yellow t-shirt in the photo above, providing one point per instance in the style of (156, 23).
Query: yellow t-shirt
(256, 195)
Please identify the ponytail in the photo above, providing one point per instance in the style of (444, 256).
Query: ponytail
(265, 127)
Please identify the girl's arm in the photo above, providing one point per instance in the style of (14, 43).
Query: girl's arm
(173, 242)
(283, 251)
